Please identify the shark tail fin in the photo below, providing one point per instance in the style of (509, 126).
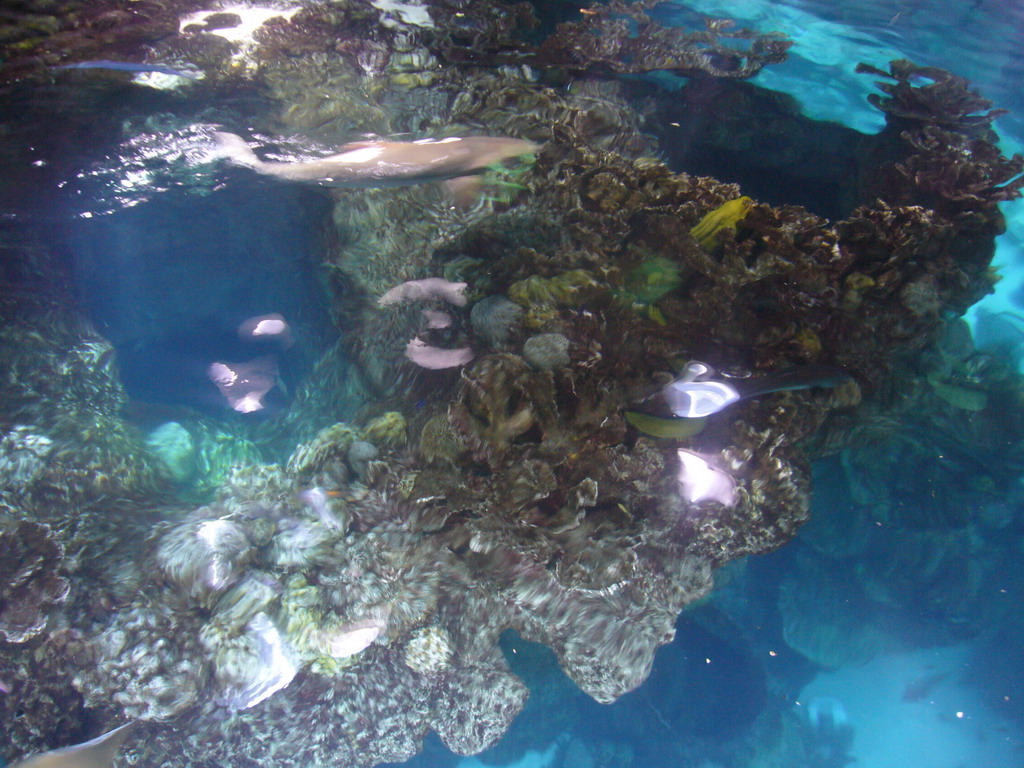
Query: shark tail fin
(466, 190)
(95, 753)
(233, 147)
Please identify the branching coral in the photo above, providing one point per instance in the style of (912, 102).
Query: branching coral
(945, 100)
(622, 38)
(955, 170)
(949, 160)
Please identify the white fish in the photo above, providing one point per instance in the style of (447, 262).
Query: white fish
(245, 384)
(700, 480)
(272, 326)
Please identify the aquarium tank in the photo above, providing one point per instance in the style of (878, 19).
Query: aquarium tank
(499, 384)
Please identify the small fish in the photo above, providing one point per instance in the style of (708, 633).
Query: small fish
(128, 66)
(317, 500)
(920, 688)
(95, 753)
(385, 163)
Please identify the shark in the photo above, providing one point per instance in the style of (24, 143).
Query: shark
(384, 163)
(129, 66)
(95, 753)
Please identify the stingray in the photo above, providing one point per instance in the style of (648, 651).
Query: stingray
(696, 394)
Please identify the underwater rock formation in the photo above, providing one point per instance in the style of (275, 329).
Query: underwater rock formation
(31, 587)
(354, 592)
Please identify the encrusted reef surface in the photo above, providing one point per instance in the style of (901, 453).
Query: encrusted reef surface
(334, 607)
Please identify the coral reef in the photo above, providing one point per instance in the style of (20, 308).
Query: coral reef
(199, 454)
(494, 319)
(22, 457)
(63, 402)
(547, 351)
(356, 590)
(623, 38)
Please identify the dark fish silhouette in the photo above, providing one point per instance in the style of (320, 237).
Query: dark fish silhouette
(920, 688)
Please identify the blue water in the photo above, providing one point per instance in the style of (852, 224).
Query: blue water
(888, 633)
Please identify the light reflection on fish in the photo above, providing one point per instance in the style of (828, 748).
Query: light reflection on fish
(696, 394)
(385, 163)
(128, 66)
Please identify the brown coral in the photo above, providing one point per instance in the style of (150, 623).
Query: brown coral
(29, 560)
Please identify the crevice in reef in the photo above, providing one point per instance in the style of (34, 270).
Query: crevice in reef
(741, 134)
(168, 282)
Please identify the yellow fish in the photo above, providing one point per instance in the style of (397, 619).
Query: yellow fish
(728, 214)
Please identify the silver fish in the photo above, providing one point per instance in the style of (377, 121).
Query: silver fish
(384, 163)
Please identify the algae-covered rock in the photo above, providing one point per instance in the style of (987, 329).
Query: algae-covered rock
(547, 351)
(326, 451)
(30, 586)
(176, 449)
(388, 429)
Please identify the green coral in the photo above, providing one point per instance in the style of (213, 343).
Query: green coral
(503, 183)
(330, 444)
(541, 296)
(648, 282)
(176, 449)
(302, 619)
(562, 290)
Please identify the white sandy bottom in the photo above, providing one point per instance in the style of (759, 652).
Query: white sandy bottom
(950, 727)
(531, 759)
